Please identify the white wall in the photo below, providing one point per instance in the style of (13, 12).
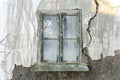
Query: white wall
(18, 18)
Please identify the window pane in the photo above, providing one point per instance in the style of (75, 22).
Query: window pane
(51, 26)
(69, 30)
(51, 49)
(70, 50)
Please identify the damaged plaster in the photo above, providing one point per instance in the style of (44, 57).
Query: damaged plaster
(19, 19)
(89, 22)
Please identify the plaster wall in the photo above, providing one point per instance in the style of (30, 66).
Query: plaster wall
(18, 25)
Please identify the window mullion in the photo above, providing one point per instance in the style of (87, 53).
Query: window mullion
(78, 38)
(78, 22)
(61, 40)
(42, 36)
(58, 57)
(81, 39)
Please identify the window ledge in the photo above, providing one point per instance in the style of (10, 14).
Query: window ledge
(59, 67)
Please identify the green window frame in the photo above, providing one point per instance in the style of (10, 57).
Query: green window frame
(64, 56)
(62, 16)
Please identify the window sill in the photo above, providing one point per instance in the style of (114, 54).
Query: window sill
(59, 67)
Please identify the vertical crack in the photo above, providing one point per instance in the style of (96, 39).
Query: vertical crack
(85, 49)
(89, 23)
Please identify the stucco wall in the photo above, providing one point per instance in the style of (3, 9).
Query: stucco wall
(103, 69)
(18, 23)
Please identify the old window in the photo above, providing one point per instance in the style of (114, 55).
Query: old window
(60, 38)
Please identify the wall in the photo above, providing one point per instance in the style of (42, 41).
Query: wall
(103, 69)
(18, 25)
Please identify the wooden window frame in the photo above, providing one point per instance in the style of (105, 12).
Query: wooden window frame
(59, 65)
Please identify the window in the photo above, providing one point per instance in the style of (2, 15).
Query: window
(60, 35)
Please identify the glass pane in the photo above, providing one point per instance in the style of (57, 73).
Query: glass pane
(51, 49)
(70, 50)
(51, 26)
(69, 30)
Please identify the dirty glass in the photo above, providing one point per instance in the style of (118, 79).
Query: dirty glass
(50, 38)
(70, 50)
(51, 26)
(69, 30)
(51, 48)
(70, 44)
(61, 38)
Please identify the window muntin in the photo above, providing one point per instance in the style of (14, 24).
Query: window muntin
(61, 38)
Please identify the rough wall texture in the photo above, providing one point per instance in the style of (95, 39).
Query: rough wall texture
(103, 69)
(18, 18)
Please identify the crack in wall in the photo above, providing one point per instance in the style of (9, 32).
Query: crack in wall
(89, 23)
(85, 49)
